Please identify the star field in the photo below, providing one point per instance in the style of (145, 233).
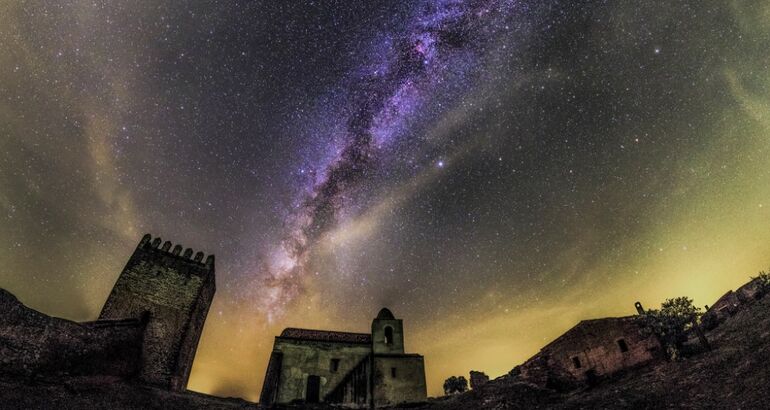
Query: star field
(492, 171)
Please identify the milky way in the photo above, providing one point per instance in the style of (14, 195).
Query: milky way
(493, 171)
(444, 36)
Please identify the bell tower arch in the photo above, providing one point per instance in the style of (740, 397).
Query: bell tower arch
(387, 333)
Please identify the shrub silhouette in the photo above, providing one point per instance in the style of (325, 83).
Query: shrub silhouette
(672, 323)
(455, 385)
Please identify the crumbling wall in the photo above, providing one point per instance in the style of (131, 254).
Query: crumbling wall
(723, 308)
(592, 349)
(730, 303)
(33, 344)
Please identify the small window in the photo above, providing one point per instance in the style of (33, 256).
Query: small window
(622, 345)
(393, 372)
(335, 365)
(576, 362)
(388, 335)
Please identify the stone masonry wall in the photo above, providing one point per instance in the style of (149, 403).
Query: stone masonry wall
(176, 290)
(33, 344)
(407, 385)
(302, 358)
(593, 348)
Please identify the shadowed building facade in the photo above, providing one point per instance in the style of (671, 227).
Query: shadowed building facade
(592, 349)
(354, 369)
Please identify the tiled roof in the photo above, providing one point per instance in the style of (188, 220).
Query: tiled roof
(326, 336)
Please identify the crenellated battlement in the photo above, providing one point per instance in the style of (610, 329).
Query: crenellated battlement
(169, 289)
(150, 245)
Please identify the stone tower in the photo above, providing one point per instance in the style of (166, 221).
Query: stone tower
(172, 291)
(387, 333)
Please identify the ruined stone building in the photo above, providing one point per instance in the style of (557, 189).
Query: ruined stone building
(353, 369)
(730, 303)
(591, 349)
(148, 329)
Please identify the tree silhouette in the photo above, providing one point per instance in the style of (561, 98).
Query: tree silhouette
(455, 385)
(672, 322)
(763, 283)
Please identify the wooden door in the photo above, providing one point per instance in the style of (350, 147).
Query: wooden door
(313, 389)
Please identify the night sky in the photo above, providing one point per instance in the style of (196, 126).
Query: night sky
(492, 171)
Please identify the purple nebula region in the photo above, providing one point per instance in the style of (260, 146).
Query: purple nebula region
(408, 72)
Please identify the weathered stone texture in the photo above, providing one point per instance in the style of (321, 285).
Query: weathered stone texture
(147, 334)
(730, 303)
(352, 369)
(353, 390)
(593, 348)
(148, 329)
(733, 375)
(302, 358)
(384, 326)
(36, 345)
(176, 292)
(398, 378)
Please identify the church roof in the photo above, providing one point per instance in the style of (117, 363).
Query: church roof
(386, 314)
(326, 335)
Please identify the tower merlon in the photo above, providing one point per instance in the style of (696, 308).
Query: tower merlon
(152, 245)
(145, 239)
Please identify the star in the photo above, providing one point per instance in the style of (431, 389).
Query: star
(309, 146)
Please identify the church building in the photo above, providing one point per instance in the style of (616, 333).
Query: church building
(353, 369)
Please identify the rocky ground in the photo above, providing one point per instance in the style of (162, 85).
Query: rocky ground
(104, 394)
(734, 375)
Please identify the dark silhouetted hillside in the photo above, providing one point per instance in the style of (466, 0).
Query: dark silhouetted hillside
(735, 375)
